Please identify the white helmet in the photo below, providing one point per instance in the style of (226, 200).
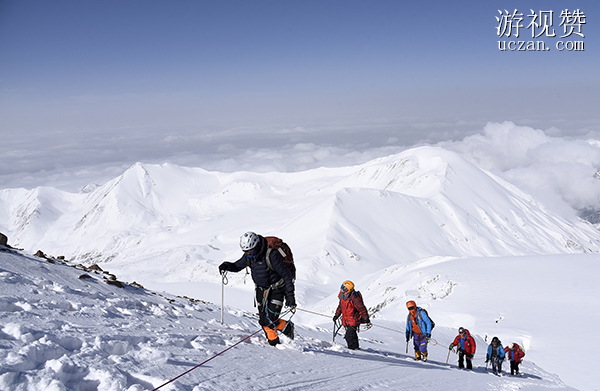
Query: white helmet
(510, 346)
(248, 241)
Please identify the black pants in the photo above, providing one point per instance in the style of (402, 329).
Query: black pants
(351, 337)
(461, 357)
(514, 367)
(270, 303)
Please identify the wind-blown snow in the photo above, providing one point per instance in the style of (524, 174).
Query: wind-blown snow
(424, 224)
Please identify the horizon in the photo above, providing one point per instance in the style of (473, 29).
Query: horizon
(88, 89)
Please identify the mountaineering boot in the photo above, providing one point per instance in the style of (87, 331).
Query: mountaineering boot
(288, 330)
(424, 356)
(271, 336)
(417, 355)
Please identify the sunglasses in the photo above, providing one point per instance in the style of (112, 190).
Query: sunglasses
(412, 308)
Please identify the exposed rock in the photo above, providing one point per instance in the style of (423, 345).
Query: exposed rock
(135, 284)
(40, 254)
(115, 283)
(3, 240)
(84, 276)
(95, 267)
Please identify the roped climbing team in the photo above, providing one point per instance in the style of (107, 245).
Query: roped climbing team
(274, 281)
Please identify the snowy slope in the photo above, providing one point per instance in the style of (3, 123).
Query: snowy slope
(168, 227)
(60, 332)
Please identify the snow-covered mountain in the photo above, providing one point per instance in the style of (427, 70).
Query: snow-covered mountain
(424, 224)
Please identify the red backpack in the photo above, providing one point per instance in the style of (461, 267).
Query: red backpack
(285, 251)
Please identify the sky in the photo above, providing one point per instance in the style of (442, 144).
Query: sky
(89, 88)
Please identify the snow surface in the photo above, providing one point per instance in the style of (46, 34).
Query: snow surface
(60, 332)
(422, 225)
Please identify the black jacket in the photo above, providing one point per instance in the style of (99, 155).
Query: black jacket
(261, 274)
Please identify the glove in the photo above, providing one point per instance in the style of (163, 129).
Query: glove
(471, 356)
(335, 318)
(290, 300)
(428, 336)
(451, 346)
(224, 267)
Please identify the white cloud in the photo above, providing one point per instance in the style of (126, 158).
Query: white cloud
(553, 169)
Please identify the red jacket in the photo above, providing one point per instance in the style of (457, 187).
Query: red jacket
(515, 354)
(467, 344)
(352, 309)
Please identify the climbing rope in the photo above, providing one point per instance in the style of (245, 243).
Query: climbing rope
(328, 316)
(431, 341)
(293, 311)
(221, 352)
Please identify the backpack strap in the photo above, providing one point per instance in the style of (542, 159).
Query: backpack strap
(268, 256)
(281, 282)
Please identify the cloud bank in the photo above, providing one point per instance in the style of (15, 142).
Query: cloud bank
(559, 170)
(555, 170)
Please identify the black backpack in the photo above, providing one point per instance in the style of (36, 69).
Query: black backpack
(432, 322)
(285, 251)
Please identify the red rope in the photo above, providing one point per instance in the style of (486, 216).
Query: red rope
(223, 351)
(202, 363)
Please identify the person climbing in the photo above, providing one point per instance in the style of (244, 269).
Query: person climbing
(353, 312)
(466, 348)
(418, 326)
(496, 355)
(515, 355)
(273, 280)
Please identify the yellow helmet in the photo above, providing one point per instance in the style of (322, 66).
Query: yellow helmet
(348, 285)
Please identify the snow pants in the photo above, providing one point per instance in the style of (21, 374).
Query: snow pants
(496, 365)
(351, 337)
(462, 356)
(420, 343)
(514, 367)
(270, 303)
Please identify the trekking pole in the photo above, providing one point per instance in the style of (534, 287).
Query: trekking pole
(448, 358)
(224, 282)
(336, 328)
